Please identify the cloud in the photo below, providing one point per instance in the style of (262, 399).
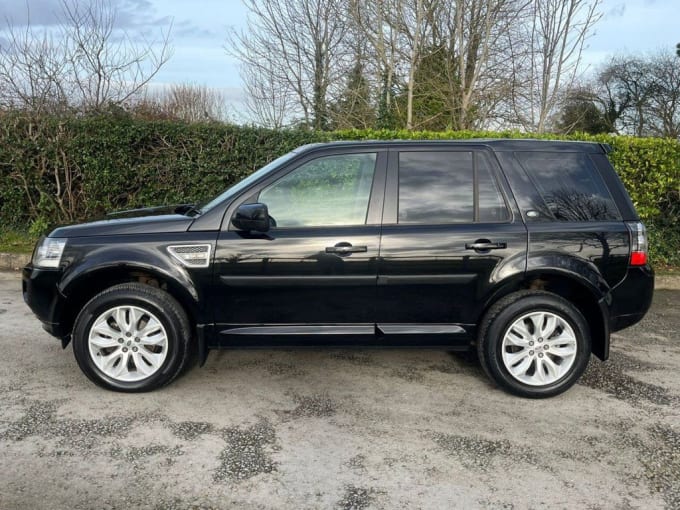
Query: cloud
(616, 11)
(130, 14)
(39, 12)
(186, 28)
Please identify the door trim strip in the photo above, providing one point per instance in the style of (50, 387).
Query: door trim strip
(298, 281)
(301, 330)
(425, 279)
(421, 329)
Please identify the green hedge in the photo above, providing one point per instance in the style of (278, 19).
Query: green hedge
(60, 170)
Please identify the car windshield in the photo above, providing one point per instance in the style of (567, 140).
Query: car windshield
(239, 186)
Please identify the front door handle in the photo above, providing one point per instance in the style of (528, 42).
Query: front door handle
(485, 244)
(345, 248)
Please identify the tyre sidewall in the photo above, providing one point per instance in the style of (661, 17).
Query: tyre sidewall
(122, 297)
(494, 341)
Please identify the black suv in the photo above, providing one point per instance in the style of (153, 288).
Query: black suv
(530, 252)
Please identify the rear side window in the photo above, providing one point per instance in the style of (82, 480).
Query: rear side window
(571, 187)
(448, 187)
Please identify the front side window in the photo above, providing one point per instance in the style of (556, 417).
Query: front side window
(331, 190)
(571, 187)
(448, 187)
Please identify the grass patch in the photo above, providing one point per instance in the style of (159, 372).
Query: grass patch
(664, 270)
(16, 242)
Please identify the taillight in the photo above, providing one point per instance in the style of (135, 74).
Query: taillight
(638, 243)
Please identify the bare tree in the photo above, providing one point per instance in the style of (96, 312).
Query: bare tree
(267, 100)
(461, 64)
(296, 43)
(412, 20)
(613, 103)
(664, 102)
(107, 66)
(86, 63)
(353, 108)
(549, 61)
(32, 70)
(185, 101)
(374, 23)
(645, 92)
(475, 36)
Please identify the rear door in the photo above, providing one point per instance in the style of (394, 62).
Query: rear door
(450, 234)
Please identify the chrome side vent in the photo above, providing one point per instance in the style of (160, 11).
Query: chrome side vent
(191, 255)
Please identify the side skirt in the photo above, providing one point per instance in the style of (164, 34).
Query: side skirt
(256, 336)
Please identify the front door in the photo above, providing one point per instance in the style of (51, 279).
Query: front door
(448, 236)
(315, 271)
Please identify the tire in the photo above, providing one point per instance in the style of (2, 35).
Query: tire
(147, 350)
(516, 356)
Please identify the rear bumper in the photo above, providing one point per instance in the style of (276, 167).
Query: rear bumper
(632, 298)
(41, 293)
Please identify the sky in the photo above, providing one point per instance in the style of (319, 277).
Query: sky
(199, 29)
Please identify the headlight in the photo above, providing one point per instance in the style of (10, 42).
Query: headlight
(48, 252)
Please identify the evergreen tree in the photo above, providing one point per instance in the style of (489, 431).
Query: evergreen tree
(581, 114)
(354, 109)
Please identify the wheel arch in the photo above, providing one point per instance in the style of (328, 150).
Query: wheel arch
(80, 288)
(589, 298)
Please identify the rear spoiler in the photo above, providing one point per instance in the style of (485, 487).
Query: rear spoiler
(606, 148)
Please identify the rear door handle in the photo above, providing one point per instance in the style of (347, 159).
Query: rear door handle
(483, 245)
(345, 248)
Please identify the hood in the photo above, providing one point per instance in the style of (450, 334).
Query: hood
(151, 211)
(149, 220)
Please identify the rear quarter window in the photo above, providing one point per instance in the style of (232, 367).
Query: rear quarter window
(570, 186)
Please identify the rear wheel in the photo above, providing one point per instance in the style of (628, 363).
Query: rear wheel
(132, 337)
(534, 344)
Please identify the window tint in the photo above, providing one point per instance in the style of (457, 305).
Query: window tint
(439, 187)
(436, 187)
(332, 190)
(570, 186)
(491, 204)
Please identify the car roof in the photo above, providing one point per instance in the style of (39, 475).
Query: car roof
(495, 144)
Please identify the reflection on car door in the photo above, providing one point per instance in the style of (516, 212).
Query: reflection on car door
(315, 271)
(449, 232)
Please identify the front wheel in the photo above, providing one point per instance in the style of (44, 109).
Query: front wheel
(131, 337)
(534, 344)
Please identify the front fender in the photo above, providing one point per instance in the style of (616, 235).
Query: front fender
(87, 261)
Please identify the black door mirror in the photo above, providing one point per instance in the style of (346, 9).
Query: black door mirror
(251, 217)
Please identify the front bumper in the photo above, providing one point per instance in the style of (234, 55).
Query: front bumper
(41, 293)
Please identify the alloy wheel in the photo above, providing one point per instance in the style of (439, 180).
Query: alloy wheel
(539, 348)
(128, 343)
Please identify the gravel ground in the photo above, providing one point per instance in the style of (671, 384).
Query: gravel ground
(339, 429)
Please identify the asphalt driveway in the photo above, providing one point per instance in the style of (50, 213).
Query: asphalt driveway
(339, 429)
